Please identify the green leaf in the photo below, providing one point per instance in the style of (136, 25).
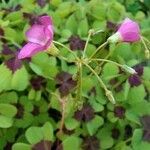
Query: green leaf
(105, 138)
(124, 51)
(146, 74)
(34, 135)
(71, 123)
(5, 122)
(83, 27)
(20, 79)
(9, 97)
(109, 70)
(8, 110)
(47, 130)
(136, 94)
(126, 90)
(94, 124)
(5, 78)
(21, 146)
(137, 141)
(47, 67)
(71, 142)
(72, 24)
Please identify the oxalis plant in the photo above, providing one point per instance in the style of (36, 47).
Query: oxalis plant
(72, 96)
(40, 38)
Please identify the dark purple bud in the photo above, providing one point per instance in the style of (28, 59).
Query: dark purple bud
(119, 112)
(134, 80)
(85, 114)
(91, 143)
(76, 43)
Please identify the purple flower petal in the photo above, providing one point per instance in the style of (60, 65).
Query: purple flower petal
(29, 50)
(45, 20)
(129, 30)
(36, 34)
(40, 36)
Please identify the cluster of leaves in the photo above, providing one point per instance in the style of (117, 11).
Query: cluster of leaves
(33, 90)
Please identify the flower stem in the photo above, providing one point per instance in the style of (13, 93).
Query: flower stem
(146, 39)
(62, 45)
(147, 51)
(98, 49)
(79, 87)
(106, 60)
(107, 92)
(122, 143)
(87, 41)
(63, 102)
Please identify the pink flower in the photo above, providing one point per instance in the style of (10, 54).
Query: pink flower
(128, 31)
(39, 37)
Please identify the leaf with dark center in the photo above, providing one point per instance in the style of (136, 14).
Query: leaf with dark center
(91, 143)
(31, 17)
(92, 91)
(76, 43)
(113, 81)
(65, 83)
(57, 145)
(66, 131)
(115, 133)
(145, 120)
(42, 3)
(8, 146)
(20, 111)
(42, 145)
(128, 132)
(146, 135)
(13, 64)
(119, 112)
(7, 51)
(37, 83)
(85, 114)
(139, 69)
(112, 26)
(55, 114)
(1, 32)
(134, 80)
(35, 111)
